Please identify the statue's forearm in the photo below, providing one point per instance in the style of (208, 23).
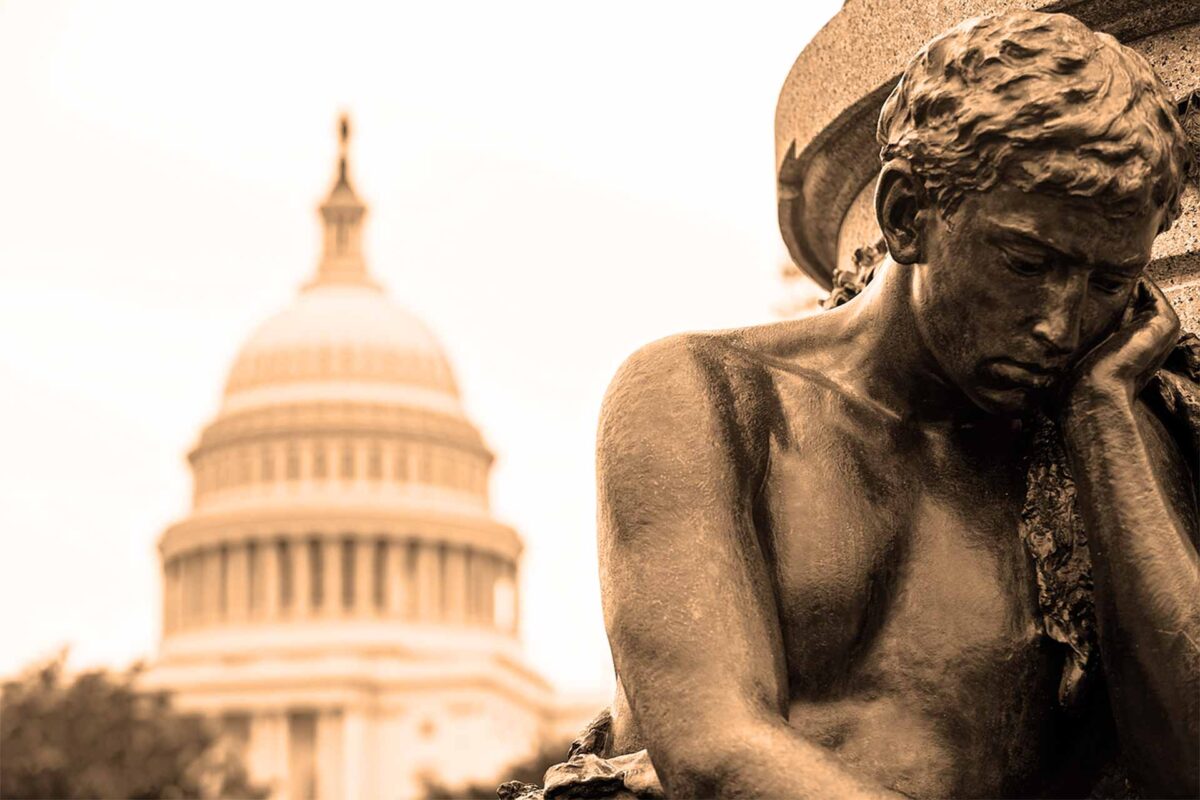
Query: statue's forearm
(765, 759)
(1147, 582)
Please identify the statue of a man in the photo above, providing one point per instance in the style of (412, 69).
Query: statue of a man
(827, 569)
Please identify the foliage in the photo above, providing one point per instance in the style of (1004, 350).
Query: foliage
(528, 770)
(96, 735)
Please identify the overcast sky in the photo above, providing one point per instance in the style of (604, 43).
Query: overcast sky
(550, 187)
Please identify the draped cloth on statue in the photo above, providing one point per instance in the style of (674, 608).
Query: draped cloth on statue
(1054, 537)
(588, 774)
(1051, 528)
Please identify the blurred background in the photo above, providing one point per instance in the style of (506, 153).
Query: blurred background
(298, 419)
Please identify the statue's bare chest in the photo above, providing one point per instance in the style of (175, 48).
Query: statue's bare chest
(863, 543)
(908, 609)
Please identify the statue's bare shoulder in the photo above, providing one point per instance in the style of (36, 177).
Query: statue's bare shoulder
(722, 383)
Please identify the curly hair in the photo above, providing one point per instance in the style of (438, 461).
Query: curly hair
(1042, 102)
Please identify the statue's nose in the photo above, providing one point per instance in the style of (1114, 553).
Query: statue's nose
(1058, 326)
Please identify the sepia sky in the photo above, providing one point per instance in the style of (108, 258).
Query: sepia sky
(550, 186)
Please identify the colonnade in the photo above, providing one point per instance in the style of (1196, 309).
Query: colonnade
(323, 459)
(311, 577)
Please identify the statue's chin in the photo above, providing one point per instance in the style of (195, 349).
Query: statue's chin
(1007, 401)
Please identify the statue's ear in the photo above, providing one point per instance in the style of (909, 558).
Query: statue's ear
(899, 200)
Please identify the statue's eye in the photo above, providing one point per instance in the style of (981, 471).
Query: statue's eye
(1025, 267)
(1109, 284)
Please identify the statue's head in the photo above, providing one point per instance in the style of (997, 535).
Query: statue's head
(1028, 164)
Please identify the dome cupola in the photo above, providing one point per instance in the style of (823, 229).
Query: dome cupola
(342, 259)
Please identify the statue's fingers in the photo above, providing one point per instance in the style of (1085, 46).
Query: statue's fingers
(1157, 332)
(1154, 312)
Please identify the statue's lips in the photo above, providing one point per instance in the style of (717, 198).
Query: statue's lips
(1020, 373)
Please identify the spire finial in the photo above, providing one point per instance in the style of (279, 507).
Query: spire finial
(343, 145)
(342, 260)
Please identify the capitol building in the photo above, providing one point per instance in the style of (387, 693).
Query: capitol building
(339, 597)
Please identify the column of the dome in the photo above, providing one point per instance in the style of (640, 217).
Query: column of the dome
(253, 580)
(477, 575)
(488, 612)
(490, 599)
(332, 579)
(239, 600)
(187, 576)
(364, 576)
(412, 598)
(212, 586)
(427, 581)
(180, 594)
(487, 609)
(176, 595)
(182, 615)
(397, 581)
(287, 580)
(222, 603)
(301, 579)
(199, 587)
(455, 590)
(472, 590)
(270, 579)
(196, 590)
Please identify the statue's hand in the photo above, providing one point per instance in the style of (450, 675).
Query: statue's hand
(1122, 363)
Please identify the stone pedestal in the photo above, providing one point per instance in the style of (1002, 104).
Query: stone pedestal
(827, 158)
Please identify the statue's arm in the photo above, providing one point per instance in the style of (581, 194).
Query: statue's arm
(688, 599)
(1138, 506)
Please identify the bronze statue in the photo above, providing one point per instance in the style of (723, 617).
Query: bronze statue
(939, 541)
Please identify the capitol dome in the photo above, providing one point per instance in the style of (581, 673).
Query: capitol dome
(342, 333)
(339, 589)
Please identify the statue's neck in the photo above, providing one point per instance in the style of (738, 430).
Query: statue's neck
(893, 364)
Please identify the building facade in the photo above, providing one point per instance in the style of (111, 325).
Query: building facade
(339, 596)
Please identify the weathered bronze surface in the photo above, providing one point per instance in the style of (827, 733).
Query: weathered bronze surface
(940, 540)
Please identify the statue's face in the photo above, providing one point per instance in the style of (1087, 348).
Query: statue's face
(1014, 288)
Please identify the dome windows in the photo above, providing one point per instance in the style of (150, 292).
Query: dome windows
(243, 470)
(267, 465)
(293, 462)
(400, 463)
(374, 462)
(320, 468)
